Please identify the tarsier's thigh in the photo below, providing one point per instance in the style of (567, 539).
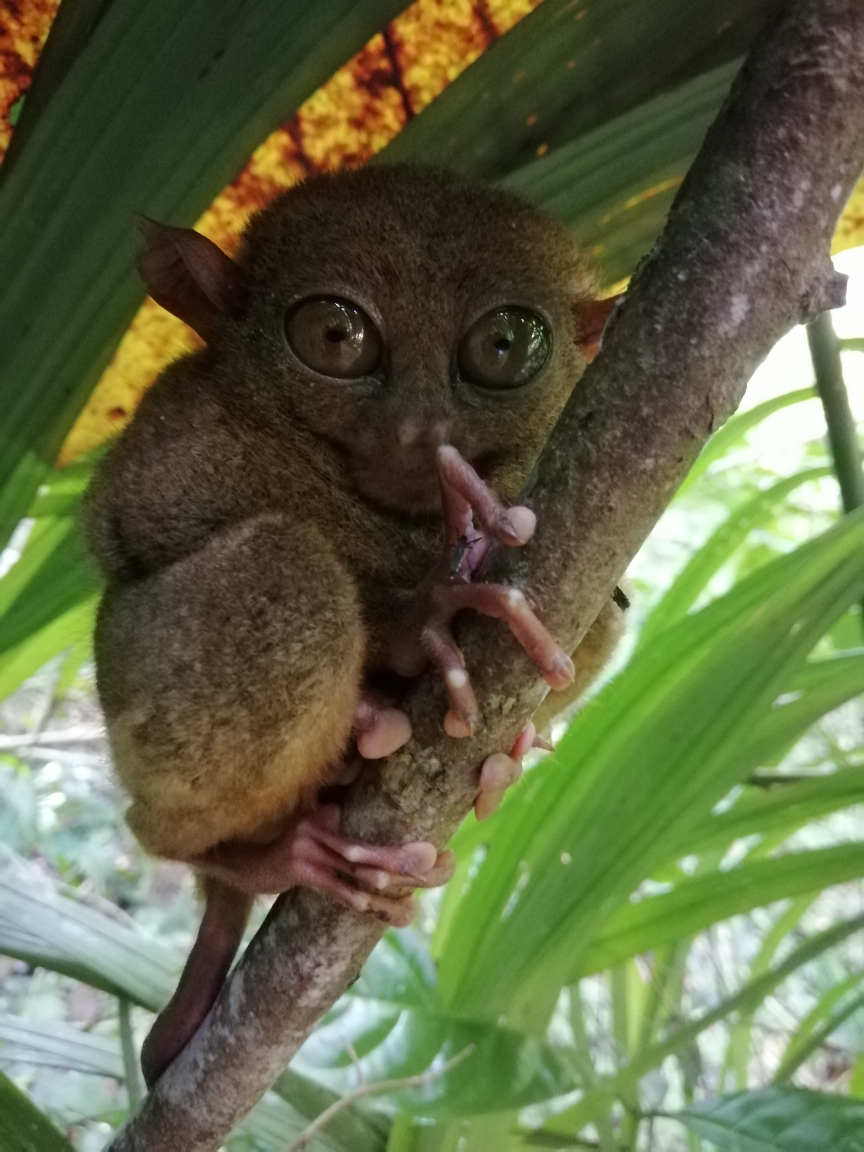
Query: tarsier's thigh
(229, 681)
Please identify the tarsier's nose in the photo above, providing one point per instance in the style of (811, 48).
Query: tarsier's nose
(422, 434)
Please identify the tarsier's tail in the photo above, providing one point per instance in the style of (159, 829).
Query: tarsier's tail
(226, 912)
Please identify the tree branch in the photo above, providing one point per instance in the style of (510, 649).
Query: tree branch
(744, 257)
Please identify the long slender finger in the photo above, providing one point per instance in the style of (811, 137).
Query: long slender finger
(438, 643)
(510, 604)
(511, 526)
(456, 509)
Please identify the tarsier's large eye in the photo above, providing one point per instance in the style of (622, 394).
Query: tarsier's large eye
(504, 348)
(334, 336)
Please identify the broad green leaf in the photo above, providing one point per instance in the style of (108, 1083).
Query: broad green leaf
(816, 688)
(48, 596)
(57, 1045)
(607, 167)
(489, 1133)
(352, 1127)
(45, 536)
(64, 934)
(23, 1128)
(51, 579)
(397, 1027)
(62, 489)
(702, 900)
(273, 1122)
(736, 428)
(71, 629)
(779, 1120)
(401, 971)
(781, 810)
(697, 573)
(747, 999)
(614, 185)
(639, 765)
(504, 1067)
(566, 70)
(742, 1003)
(157, 112)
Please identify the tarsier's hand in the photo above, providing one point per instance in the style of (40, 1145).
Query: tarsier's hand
(466, 498)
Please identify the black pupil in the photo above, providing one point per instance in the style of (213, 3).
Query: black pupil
(335, 336)
(502, 345)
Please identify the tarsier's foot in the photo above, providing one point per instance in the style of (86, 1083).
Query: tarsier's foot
(315, 854)
(465, 497)
(321, 853)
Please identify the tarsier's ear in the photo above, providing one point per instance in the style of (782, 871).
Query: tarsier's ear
(190, 276)
(592, 320)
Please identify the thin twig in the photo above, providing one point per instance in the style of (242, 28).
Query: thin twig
(419, 1081)
(80, 734)
(355, 1060)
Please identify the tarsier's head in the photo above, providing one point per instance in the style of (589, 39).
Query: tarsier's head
(390, 310)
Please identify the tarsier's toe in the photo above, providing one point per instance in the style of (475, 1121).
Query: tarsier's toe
(379, 728)
(390, 731)
(501, 770)
(384, 881)
(561, 672)
(516, 526)
(458, 725)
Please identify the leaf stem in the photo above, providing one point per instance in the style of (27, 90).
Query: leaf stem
(130, 1056)
(842, 433)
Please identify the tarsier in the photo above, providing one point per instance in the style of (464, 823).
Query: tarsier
(297, 512)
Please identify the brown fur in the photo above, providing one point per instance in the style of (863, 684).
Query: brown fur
(264, 530)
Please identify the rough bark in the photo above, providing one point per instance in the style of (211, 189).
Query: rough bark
(745, 256)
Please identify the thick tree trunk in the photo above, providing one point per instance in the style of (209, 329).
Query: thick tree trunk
(744, 257)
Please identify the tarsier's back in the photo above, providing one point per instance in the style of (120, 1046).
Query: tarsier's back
(304, 504)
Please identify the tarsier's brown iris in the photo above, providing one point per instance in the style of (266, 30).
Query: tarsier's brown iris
(334, 337)
(504, 349)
